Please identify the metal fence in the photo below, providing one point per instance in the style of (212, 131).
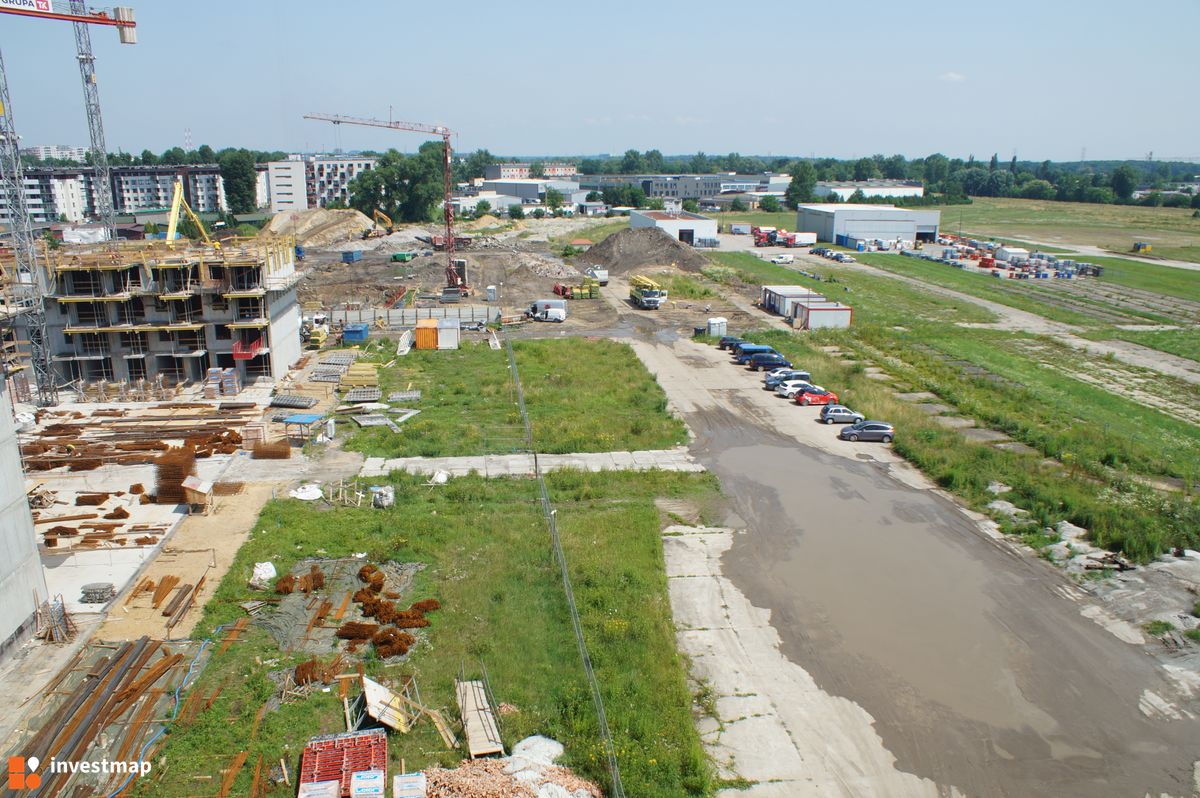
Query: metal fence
(617, 791)
(407, 317)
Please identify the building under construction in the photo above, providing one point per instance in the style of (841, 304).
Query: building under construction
(129, 315)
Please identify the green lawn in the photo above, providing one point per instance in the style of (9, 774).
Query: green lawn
(875, 299)
(1184, 343)
(487, 558)
(1172, 231)
(1169, 280)
(582, 395)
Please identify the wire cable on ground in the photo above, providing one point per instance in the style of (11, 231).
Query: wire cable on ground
(618, 791)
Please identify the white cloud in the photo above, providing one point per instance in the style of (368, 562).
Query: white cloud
(952, 77)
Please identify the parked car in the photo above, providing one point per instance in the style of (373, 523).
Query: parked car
(767, 361)
(783, 375)
(842, 257)
(745, 353)
(790, 388)
(736, 349)
(782, 259)
(868, 431)
(729, 342)
(840, 414)
(816, 395)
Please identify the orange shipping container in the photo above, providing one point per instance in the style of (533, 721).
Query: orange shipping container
(426, 334)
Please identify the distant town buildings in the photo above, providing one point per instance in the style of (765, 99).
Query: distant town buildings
(520, 171)
(314, 181)
(844, 190)
(692, 186)
(60, 152)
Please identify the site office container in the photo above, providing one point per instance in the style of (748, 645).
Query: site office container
(448, 332)
(425, 336)
(825, 316)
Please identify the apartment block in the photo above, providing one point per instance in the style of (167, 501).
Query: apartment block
(520, 171)
(61, 152)
(146, 311)
(300, 183)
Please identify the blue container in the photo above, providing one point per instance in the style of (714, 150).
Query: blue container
(356, 333)
(299, 253)
(353, 256)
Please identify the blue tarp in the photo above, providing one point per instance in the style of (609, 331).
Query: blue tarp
(303, 418)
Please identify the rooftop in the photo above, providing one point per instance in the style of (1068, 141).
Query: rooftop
(852, 206)
(667, 216)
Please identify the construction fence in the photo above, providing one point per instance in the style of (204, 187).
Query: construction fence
(408, 317)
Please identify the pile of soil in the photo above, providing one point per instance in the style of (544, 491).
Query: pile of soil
(637, 248)
(319, 227)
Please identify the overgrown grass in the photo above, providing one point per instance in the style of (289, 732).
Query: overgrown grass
(582, 395)
(1172, 231)
(596, 234)
(1169, 280)
(488, 561)
(680, 286)
(1184, 343)
(1093, 492)
(883, 300)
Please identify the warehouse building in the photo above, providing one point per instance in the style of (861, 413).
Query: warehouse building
(690, 228)
(845, 224)
(844, 190)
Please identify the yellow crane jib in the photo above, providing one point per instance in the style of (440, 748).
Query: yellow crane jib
(179, 203)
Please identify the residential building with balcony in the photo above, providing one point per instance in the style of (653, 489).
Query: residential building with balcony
(146, 311)
(315, 181)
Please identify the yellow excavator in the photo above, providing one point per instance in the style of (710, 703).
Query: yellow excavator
(382, 222)
(179, 203)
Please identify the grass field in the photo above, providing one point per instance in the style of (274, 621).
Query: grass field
(602, 230)
(1169, 280)
(1172, 231)
(885, 301)
(487, 559)
(582, 396)
(1184, 343)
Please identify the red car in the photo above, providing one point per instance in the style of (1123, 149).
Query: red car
(816, 396)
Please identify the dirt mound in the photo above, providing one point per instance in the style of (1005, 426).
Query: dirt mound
(319, 227)
(636, 248)
(487, 220)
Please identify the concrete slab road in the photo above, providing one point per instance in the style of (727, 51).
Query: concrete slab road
(882, 642)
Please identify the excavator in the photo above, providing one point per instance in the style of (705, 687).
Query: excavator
(382, 222)
(179, 203)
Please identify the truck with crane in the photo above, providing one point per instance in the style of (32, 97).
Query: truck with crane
(646, 293)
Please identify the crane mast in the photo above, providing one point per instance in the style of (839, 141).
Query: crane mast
(453, 279)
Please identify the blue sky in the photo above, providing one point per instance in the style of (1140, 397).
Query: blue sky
(1044, 79)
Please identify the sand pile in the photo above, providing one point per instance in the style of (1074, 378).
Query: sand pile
(644, 246)
(487, 220)
(319, 227)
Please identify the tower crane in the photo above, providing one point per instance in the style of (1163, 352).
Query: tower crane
(454, 278)
(28, 283)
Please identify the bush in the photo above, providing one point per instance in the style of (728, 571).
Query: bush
(770, 205)
(516, 212)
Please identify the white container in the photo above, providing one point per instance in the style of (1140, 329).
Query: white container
(448, 333)
(368, 784)
(718, 326)
(491, 293)
(409, 785)
(320, 789)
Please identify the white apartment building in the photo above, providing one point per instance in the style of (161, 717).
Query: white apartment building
(300, 183)
(138, 188)
(520, 171)
(61, 152)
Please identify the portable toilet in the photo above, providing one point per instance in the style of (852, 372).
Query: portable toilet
(717, 326)
(447, 333)
(491, 293)
(426, 334)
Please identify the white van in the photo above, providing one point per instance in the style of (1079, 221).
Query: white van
(783, 259)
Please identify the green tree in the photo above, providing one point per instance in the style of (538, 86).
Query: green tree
(147, 158)
(241, 180)
(654, 161)
(174, 157)
(637, 197)
(1038, 189)
(536, 169)
(554, 199)
(804, 179)
(408, 188)
(1124, 181)
(516, 212)
(593, 196)
(699, 163)
(1196, 201)
(937, 168)
(632, 163)
(857, 196)
(51, 241)
(737, 206)
(865, 169)
(770, 204)
(691, 206)
(482, 207)
(1012, 165)
(205, 154)
(994, 164)
(895, 168)
(655, 204)
(539, 213)
(474, 165)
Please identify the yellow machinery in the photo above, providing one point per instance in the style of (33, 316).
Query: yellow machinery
(645, 293)
(178, 203)
(383, 222)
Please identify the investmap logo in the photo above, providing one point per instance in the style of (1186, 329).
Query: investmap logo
(22, 773)
(23, 770)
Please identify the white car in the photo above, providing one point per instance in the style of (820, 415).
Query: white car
(789, 389)
(781, 259)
